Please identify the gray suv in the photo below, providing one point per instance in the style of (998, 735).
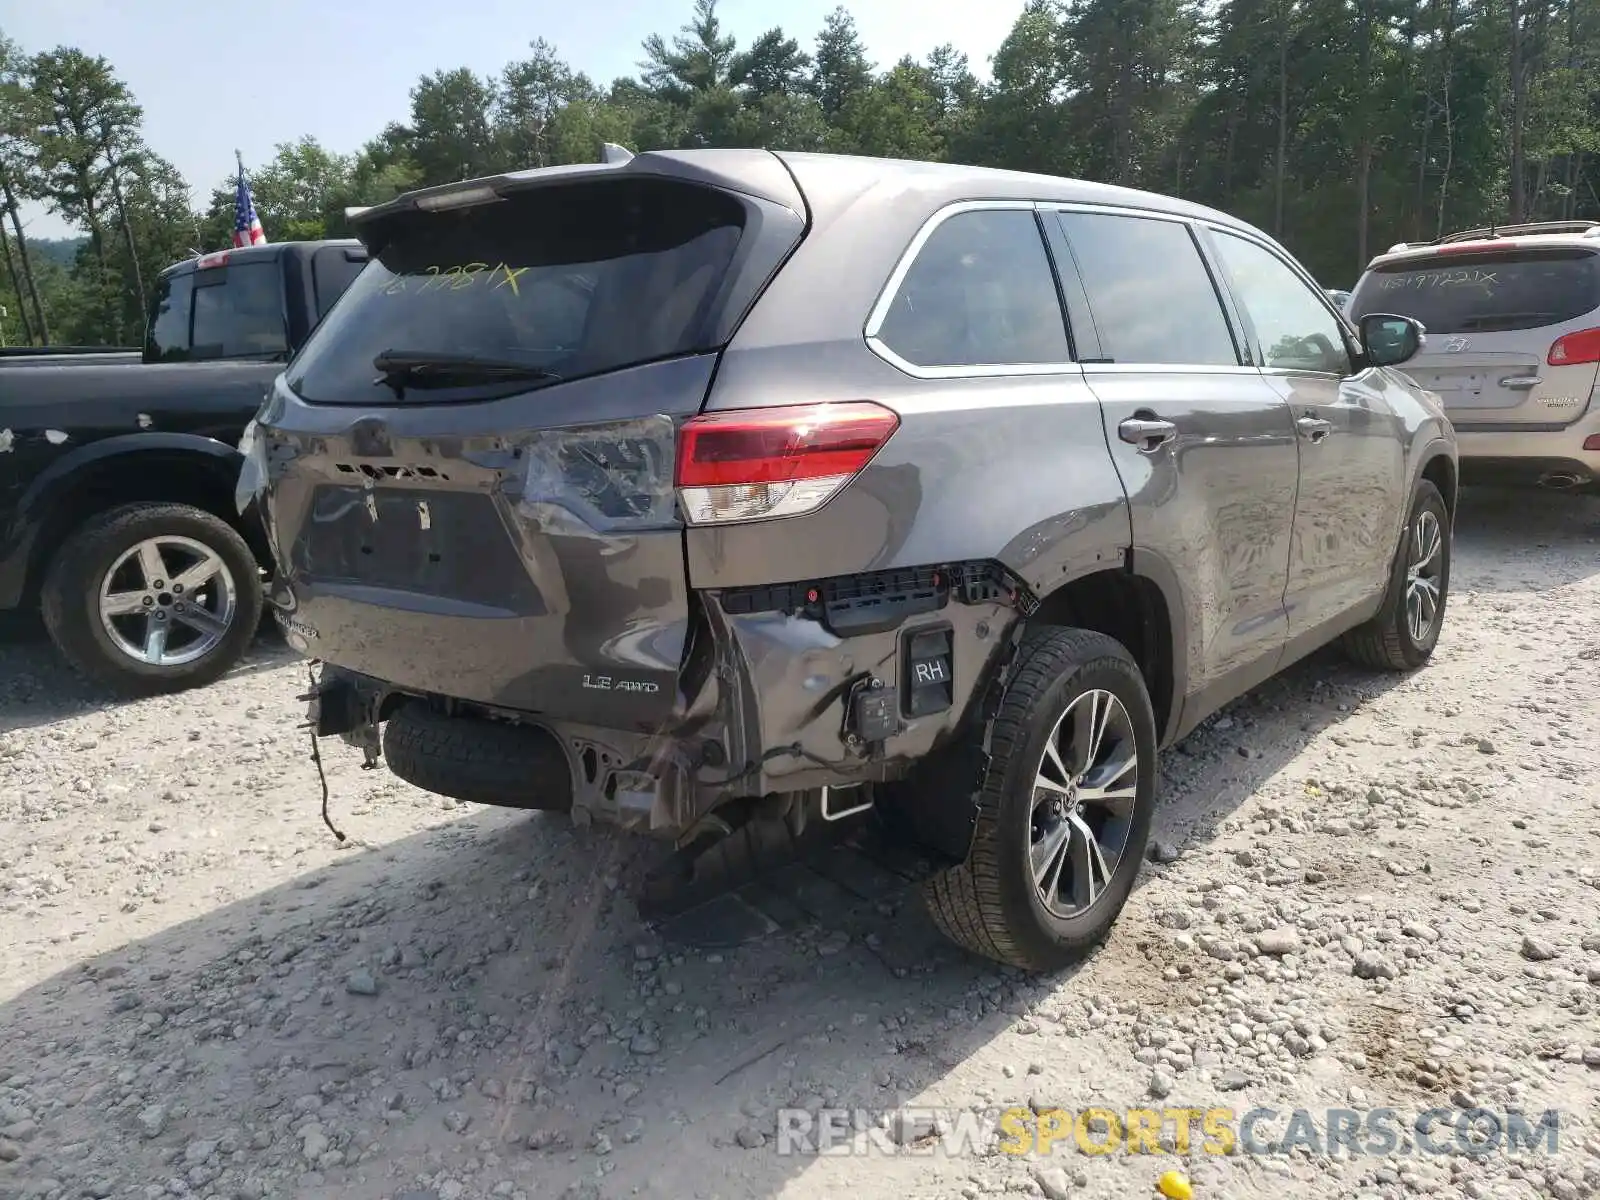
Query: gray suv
(724, 494)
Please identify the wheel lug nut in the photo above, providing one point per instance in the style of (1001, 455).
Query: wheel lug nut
(178, 588)
(149, 600)
(156, 584)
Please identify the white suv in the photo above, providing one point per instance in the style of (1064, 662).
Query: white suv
(1513, 321)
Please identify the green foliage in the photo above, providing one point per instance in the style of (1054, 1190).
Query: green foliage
(1339, 125)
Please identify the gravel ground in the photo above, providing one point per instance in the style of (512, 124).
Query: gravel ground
(1377, 892)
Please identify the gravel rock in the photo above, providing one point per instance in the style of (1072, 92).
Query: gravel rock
(1053, 1182)
(153, 1120)
(361, 983)
(1162, 851)
(1369, 964)
(750, 1137)
(1537, 950)
(9, 1150)
(1285, 940)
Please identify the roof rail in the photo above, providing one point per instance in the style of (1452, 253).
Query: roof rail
(1587, 228)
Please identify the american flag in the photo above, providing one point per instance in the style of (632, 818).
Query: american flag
(247, 229)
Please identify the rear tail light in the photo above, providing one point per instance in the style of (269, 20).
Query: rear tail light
(1575, 348)
(755, 464)
(1592, 442)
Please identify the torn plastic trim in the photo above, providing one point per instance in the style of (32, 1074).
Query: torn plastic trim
(597, 480)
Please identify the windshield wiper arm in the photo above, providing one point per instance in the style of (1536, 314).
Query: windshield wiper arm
(437, 368)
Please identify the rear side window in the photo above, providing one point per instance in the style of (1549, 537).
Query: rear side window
(1484, 292)
(167, 339)
(238, 312)
(1152, 296)
(980, 292)
(575, 279)
(333, 269)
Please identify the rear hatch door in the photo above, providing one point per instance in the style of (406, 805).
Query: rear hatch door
(1493, 317)
(470, 466)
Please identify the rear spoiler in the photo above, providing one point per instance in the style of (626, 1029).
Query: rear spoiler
(468, 192)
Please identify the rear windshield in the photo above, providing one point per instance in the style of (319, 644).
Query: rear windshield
(1478, 293)
(576, 279)
(233, 311)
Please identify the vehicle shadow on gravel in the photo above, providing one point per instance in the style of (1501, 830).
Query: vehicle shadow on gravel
(38, 688)
(477, 1010)
(1519, 540)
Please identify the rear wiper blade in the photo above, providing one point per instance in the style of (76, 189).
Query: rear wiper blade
(437, 368)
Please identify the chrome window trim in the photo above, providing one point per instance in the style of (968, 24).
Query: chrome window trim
(1122, 368)
(902, 267)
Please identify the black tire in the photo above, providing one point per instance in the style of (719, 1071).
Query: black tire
(989, 903)
(1386, 643)
(70, 596)
(477, 760)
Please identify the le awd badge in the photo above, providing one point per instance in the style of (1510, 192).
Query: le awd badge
(604, 683)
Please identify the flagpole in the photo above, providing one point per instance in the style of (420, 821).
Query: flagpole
(239, 158)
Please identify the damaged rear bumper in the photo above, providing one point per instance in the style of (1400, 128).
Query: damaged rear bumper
(826, 684)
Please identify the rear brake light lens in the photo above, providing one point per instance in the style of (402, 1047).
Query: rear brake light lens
(757, 464)
(1592, 442)
(1575, 348)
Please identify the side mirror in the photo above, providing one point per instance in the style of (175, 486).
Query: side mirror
(1389, 340)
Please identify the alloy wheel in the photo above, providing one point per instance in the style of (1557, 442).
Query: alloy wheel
(1084, 792)
(167, 601)
(1424, 573)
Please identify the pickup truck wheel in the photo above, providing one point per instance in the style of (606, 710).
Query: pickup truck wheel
(153, 598)
(1064, 806)
(1405, 631)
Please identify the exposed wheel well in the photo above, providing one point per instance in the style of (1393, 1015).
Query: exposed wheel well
(1439, 471)
(156, 476)
(1130, 609)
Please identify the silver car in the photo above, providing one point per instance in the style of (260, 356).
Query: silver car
(726, 494)
(1513, 323)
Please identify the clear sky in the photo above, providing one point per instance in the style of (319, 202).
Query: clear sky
(215, 77)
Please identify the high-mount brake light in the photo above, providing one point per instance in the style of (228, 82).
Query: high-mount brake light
(207, 261)
(1575, 349)
(761, 463)
(1476, 247)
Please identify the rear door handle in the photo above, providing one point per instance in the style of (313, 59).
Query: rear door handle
(1149, 434)
(1314, 428)
(1520, 383)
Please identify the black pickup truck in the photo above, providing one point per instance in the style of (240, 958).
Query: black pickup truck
(117, 470)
